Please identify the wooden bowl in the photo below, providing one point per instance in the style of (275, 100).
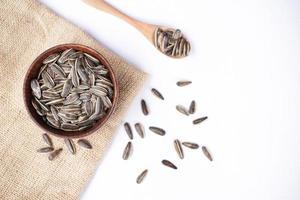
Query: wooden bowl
(33, 73)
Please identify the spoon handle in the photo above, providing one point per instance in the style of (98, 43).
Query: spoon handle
(146, 29)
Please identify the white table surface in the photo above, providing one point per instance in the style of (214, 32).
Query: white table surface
(245, 68)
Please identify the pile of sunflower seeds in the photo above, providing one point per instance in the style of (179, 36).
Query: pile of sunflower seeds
(54, 153)
(178, 145)
(171, 42)
(72, 90)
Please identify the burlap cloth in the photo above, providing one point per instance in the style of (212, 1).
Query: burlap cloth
(26, 30)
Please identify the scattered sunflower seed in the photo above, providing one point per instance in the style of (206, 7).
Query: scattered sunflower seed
(192, 108)
(71, 146)
(190, 145)
(199, 120)
(178, 148)
(168, 164)
(157, 130)
(206, 153)
(144, 107)
(142, 176)
(84, 143)
(182, 110)
(156, 93)
(140, 129)
(54, 154)
(183, 83)
(47, 139)
(128, 130)
(127, 151)
(45, 149)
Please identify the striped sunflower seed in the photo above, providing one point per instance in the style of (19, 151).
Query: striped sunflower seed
(190, 145)
(168, 164)
(84, 143)
(192, 107)
(47, 139)
(144, 107)
(140, 129)
(141, 176)
(199, 120)
(206, 153)
(156, 93)
(182, 110)
(178, 148)
(54, 154)
(45, 149)
(128, 130)
(127, 151)
(71, 146)
(157, 130)
(183, 83)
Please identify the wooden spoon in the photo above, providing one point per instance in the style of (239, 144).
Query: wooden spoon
(167, 40)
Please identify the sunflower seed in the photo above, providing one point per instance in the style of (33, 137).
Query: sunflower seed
(140, 129)
(47, 139)
(178, 149)
(168, 164)
(54, 113)
(144, 107)
(127, 151)
(199, 120)
(190, 145)
(156, 93)
(142, 176)
(71, 146)
(64, 55)
(128, 130)
(48, 81)
(182, 110)
(157, 130)
(54, 154)
(36, 89)
(84, 143)
(165, 37)
(192, 108)
(183, 83)
(91, 58)
(51, 58)
(45, 149)
(206, 153)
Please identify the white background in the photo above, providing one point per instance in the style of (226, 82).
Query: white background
(245, 68)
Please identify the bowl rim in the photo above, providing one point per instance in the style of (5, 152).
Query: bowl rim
(98, 125)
